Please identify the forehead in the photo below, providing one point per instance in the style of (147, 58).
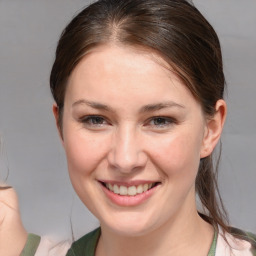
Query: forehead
(110, 71)
(122, 59)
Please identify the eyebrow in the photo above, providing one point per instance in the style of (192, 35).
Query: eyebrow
(144, 109)
(159, 106)
(93, 104)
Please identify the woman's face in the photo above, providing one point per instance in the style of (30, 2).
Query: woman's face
(133, 136)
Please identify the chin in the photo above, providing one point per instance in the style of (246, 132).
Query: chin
(131, 231)
(130, 226)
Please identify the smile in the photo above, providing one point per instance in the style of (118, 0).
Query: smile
(130, 190)
(129, 194)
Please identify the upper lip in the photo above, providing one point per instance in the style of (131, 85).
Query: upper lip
(129, 183)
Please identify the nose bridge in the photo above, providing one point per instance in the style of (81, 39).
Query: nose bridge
(127, 154)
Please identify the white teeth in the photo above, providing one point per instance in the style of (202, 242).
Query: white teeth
(116, 189)
(123, 191)
(131, 191)
(139, 189)
(145, 187)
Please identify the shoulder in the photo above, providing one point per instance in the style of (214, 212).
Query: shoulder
(50, 247)
(248, 236)
(86, 245)
(237, 243)
(42, 246)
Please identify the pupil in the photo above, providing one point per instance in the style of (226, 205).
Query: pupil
(97, 120)
(159, 121)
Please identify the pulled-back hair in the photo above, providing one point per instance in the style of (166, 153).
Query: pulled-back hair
(177, 32)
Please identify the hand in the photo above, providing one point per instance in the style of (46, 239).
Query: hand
(13, 235)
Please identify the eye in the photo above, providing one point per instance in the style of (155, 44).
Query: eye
(93, 121)
(161, 122)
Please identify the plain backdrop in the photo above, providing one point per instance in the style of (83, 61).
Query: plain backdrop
(29, 30)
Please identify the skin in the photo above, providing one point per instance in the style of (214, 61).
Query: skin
(13, 236)
(148, 127)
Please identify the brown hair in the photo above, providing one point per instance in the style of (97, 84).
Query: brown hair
(180, 34)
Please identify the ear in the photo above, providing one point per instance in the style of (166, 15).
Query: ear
(213, 129)
(55, 111)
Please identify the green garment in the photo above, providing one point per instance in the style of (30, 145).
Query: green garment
(86, 245)
(31, 246)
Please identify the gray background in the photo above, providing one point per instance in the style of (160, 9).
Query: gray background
(31, 150)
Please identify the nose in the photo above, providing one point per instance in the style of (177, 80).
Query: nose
(126, 154)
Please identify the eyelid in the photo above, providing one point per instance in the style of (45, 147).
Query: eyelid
(86, 121)
(170, 121)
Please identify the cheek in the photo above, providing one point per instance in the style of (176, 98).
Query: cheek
(176, 155)
(83, 152)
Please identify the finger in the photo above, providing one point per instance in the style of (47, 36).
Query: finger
(5, 187)
(8, 197)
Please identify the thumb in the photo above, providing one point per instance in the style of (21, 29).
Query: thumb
(13, 235)
(8, 203)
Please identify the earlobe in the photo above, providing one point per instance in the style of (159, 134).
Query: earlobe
(55, 111)
(214, 129)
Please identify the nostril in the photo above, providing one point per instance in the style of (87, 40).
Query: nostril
(126, 154)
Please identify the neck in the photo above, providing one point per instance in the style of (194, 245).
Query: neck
(186, 234)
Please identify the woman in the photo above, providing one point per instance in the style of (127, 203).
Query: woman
(138, 86)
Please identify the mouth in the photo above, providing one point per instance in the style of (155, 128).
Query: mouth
(132, 190)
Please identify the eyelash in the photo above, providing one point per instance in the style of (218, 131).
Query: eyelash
(167, 121)
(99, 121)
(94, 121)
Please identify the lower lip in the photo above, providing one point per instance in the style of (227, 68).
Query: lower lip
(128, 200)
